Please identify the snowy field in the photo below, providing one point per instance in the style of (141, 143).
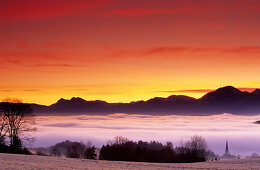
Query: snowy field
(12, 161)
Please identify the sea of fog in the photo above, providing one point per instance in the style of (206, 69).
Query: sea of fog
(241, 132)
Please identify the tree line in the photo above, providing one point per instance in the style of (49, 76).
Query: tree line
(122, 149)
(73, 150)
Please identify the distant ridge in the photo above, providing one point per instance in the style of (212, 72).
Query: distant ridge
(256, 91)
(223, 100)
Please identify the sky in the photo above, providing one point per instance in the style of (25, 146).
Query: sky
(126, 50)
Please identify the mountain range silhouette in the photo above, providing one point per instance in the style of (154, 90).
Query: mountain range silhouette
(223, 100)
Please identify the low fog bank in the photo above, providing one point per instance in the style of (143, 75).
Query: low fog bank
(240, 131)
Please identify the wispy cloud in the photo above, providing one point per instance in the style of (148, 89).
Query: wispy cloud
(189, 91)
(31, 10)
(55, 44)
(20, 90)
(80, 89)
(166, 49)
(254, 83)
(173, 51)
(56, 65)
(178, 49)
(62, 125)
(137, 11)
(248, 89)
(102, 93)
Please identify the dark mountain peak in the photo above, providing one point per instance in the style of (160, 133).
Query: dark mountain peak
(77, 100)
(170, 100)
(256, 91)
(73, 100)
(99, 101)
(221, 93)
(180, 98)
(229, 90)
(156, 99)
(62, 100)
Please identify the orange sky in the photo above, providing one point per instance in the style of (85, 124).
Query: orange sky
(124, 50)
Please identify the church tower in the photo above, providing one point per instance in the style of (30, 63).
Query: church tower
(227, 151)
(227, 154)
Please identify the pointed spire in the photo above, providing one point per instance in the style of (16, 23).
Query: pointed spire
(226, 151)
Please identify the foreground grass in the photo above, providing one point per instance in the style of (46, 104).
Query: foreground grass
(13, 161)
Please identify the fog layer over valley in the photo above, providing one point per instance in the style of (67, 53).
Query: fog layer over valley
(241, 131)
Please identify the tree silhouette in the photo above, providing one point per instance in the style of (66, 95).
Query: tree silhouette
(55, 151)
(90, 153)
(3, 128)
(75, 150)
(17, 117)
(125, 150)
(197, 148)
(118, 140)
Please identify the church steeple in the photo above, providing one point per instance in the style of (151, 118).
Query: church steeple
(226, 151)
(227, 154)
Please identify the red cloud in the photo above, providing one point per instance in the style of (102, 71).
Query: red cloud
(146, 11)
(56, 65)
(23, 10)
(158, 50)
(243, 49)
(37, 54)
(205, 9)
(55, 44)
(248, 89)
(119, 53)
(175, 49)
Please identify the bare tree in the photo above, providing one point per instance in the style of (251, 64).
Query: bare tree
(76, 150)
(198, 146)
(120, 140)
(18, 118)
(89, 144)
(3, 128)
(169, 145)
(198, 143)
